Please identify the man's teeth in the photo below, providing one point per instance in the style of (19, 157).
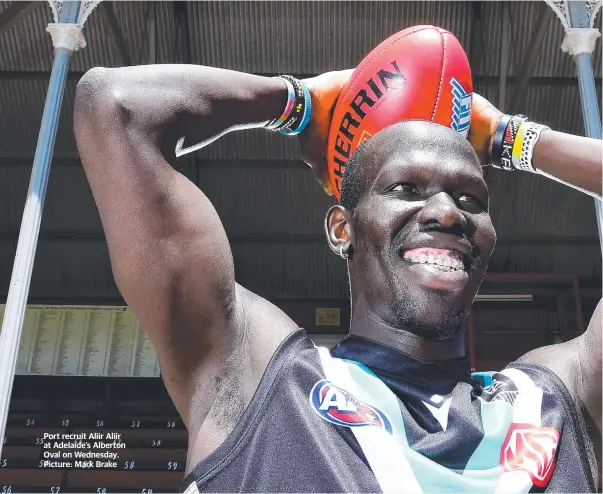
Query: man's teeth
(445, 263)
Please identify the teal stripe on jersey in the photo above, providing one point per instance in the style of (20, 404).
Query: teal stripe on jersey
(437, 478)
(497, 415)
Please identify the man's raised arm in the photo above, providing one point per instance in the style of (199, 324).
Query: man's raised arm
(169, 252)
(575, 161)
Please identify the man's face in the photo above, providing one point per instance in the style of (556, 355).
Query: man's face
(422, 235)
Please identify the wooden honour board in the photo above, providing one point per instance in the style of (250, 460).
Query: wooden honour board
(65, 340)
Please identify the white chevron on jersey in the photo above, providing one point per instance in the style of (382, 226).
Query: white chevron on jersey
(440, 414)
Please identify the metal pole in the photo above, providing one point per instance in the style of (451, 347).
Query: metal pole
(590, 112)
(67, 37)
(578, 17)
(588, 95)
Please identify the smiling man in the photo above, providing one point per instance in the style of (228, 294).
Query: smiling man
(426, 259)
(394, 406)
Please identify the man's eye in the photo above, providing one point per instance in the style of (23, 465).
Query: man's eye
(469, 201)
(406, 187)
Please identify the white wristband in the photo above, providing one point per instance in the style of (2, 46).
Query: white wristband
(531, 135)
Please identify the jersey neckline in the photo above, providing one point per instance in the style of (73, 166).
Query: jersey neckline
(438, 377)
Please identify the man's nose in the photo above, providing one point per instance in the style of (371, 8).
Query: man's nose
(441, 209)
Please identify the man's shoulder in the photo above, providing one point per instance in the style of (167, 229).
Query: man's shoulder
(561, 359)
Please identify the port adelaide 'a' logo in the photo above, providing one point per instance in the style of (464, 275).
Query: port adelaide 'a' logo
(339, 407)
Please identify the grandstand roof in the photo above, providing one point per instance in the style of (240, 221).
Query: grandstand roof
(270, 204)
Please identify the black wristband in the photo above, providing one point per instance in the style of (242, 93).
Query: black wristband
(497, 140)
(506, 155)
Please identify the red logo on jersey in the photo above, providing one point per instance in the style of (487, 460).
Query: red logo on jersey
(532, 449)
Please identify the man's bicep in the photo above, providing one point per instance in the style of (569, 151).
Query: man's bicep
(167, 245)
(172, 261)
(173, 266)
(590, 365)
(169, 253)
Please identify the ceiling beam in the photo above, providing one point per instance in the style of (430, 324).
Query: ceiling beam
(246, 163)
(504, 55)
(183, 48)
(151, 27)
(116, 32)
(478, 41)
(476, 47)
(14, 13)
(504, 241)
(534, 81)
(311, 238)
(545, 14)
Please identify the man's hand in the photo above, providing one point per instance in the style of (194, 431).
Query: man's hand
(484, 120)
(324, 90)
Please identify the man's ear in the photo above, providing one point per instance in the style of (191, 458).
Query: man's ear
(339, 231)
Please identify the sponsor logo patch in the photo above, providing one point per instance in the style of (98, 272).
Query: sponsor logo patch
(461, 108)
(532, 449)
(502, 388)
(339, 407)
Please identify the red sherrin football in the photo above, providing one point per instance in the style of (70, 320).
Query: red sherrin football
(420, 73)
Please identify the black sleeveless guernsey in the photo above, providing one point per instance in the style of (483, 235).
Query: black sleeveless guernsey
(317, 423)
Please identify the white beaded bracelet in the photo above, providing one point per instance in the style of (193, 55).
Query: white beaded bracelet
(524, 144)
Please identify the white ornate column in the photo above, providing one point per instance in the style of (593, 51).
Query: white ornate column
(67, 37)
(578, 19)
